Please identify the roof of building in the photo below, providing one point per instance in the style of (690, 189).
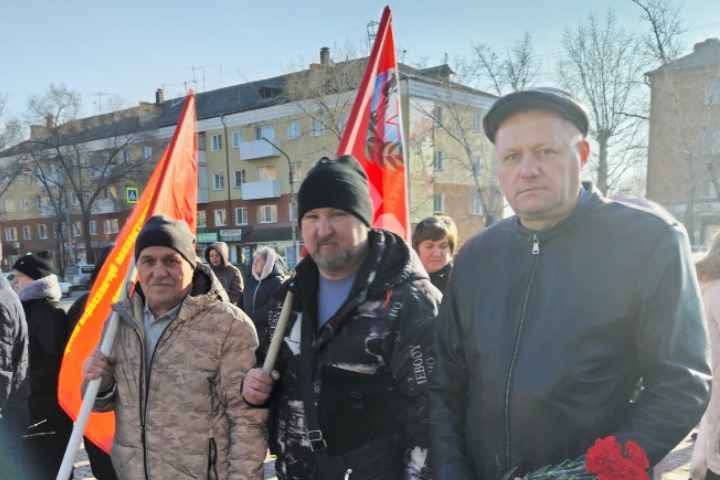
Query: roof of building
(222, 101)
(705, 53)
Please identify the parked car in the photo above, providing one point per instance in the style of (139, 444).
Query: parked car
(79, 275)
(65, 288)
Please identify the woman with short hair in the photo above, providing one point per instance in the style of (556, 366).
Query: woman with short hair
(434, 240)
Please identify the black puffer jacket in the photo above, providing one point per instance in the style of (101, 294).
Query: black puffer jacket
(543, 336)
(370, 365)
(257, 299)
(14, 379)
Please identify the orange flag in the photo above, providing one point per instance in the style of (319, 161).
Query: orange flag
(374, 133)
(171, 190)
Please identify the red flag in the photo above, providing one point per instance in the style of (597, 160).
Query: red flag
(374, 133)
(171, 190)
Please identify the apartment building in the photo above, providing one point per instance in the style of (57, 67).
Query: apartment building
(683, 171)
(250, 135)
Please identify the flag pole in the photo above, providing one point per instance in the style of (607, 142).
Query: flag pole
(66, 467)
(279, 334)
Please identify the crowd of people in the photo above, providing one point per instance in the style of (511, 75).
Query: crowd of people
(578, 318)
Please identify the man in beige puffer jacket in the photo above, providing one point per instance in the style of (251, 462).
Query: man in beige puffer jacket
(176, 369)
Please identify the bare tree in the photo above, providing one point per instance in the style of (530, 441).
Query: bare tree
(325, 93)
(10, 165)
(603, 63)
(78, 161)
(457, 121)
(663, 42)
(517, 69)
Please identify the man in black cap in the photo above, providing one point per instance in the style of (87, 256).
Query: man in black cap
(176, 369)
(351, 400)
(555, 316)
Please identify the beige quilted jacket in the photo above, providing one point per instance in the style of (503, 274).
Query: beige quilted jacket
(191, 423)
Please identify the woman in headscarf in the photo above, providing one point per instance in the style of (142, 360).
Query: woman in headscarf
(705, 461)
(267, 274)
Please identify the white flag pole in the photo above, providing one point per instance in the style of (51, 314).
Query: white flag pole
(66, 467)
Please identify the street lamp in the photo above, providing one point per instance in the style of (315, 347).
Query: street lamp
(291, 179)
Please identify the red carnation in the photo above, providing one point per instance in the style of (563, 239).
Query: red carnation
(608, 460)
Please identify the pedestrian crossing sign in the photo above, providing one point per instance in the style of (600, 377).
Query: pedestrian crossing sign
(131, 194)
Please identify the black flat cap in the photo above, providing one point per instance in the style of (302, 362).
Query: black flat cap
(543, 98)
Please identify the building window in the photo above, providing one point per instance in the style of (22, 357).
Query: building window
(202, 141)
(42, 231)
(11, 234)
(219, 217)
(437, 115)
(267, 214)
(477, 204)
(293, 131)
(241, 216)
(25, 204)
(77, 229)
(202, 219)
(217, 142)
(127, 158)
(477, 121)
(439, 161)
(439, 202)
(147, 152)
(110, 226)
(265, 132)
(265, 174)
(218, 181)
(27, 233)
(317, 128)
(712, 96)
(9, 205)
(240, 177)
(237, 139)
(92, 226)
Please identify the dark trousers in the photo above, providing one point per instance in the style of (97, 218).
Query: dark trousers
(712, 475)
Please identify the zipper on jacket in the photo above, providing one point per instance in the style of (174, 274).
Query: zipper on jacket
(535, 252)
(143, 418)
(140, 402)
(535, 244)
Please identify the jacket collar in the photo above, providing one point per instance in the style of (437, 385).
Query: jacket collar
(588, 198)
(205, 291)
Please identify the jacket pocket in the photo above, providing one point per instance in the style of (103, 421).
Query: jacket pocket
(212, 460)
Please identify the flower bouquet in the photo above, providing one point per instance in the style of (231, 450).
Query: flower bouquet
(607, 459)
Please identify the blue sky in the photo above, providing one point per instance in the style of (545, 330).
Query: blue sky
(129, 48)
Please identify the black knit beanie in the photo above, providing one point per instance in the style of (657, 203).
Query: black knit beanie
(161, 231)
(339, 183)
(35, 266)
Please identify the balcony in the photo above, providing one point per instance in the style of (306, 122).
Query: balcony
(202, 157)
(104, 205)
(256, 149)
(260, 190)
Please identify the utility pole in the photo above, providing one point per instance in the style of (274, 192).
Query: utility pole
(293, 200)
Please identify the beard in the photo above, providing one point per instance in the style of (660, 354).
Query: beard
(339, 260)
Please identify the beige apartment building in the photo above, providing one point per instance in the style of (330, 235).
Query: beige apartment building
(251, 134)
(684, 147)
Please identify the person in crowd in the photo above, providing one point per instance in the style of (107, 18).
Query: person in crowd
(351, 399)
(267, 274)
(705, 461)
(100, 462)
(217, 255)
(14, 382)
(176, 369)
(553, 316)
(435, 239)
(39, 291)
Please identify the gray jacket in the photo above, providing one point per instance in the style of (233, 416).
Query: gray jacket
(14, 381)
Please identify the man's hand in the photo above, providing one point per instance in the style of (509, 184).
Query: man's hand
(98, 365)
(258, 386)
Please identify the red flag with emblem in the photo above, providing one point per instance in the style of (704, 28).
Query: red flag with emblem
(171, 190)
(374, 133)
